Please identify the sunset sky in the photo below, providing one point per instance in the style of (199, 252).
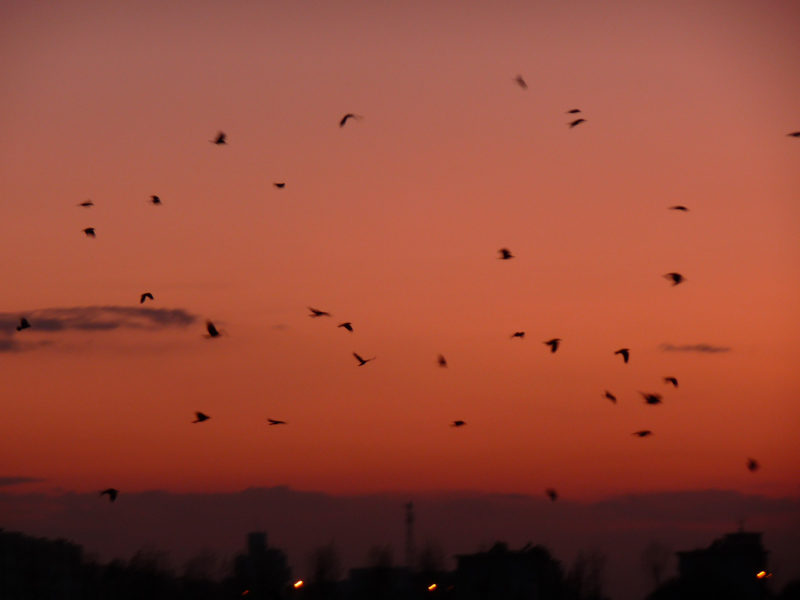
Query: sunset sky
(394, 222)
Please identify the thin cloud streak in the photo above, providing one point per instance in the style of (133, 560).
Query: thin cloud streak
(86, 318)
(99, 317)
(702, 348)
(5, 481)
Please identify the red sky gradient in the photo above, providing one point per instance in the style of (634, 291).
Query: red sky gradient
(394, 223)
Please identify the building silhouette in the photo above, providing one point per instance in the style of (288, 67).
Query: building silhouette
(733, 567)
(261, 572)
(530, 573)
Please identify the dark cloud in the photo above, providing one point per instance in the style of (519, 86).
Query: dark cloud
(87, 318)
(18, 480)
(706, 348)
(10, 344)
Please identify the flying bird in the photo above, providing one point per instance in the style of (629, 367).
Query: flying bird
(576, 122)
(458, 423)
(348, 116)
(145, 296)
(573, 111)
(348, 325)
(442, 361)
(280, 185)
(112, 494)
(219, 140)
(651, 398)
(318, 313)
(752, 464)
(552, 494)
(23, 324)
(675, 278)
(276, 422)
(505, 254)
(794, 134)
(625, 352)
(519, 334)
(212, 331)
(553, 344)
(87, 204)
(671, 380)
(520, 82)
(201, 417)
(155, 200)
(610, 396)
(89, 231)
(679, 207)
(643, 433)
(362, 361)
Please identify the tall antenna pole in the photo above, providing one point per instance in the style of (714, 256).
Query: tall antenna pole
(410, 548)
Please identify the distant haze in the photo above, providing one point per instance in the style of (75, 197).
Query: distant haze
(460, 523)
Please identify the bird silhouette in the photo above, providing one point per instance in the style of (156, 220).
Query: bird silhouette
(651, 398)
(201, 417)
(752, 464)
(363, 361)
(675, 278)
(442, 361)
(89, 231)
(553, 344)
(794, 134)
(520, 82)
(212, 331)
(610, 396)
(112, 494)
(155, 200)
(518, 334)
(23, 324)
(219, 140)
(574, 111)
(347, 325)
(348, 116)
(87, 204)
(576, 122)
(625, 352)
(276, 422)
(552, 494)
(145, 296)
(679, 207)
(458, 423)
(318, 313)
(505, 254)
(280, 185)
(671, 380)
(643, 433)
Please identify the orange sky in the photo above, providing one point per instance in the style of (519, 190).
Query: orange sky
(394, 223)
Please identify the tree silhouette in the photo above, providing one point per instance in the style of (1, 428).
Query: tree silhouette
(585, 578)
(655, 558)
(325, 567)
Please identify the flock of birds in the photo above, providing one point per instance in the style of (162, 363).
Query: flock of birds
(505, 254)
